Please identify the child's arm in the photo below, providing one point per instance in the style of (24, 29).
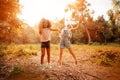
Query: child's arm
(76, 27)
(55, 30)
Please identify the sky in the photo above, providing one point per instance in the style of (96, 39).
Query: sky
(100, 7)
(34, 10)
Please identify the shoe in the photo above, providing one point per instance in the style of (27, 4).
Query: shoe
(49, 65)
(59, 66)
(59, 63)
(42, 68)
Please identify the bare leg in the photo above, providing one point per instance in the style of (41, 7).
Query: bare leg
(73, 55)
(60, 57)
(48, 54)
(48, 57)
(43, 54)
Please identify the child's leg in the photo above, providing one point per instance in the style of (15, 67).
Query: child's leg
(48, 57)
(71, 52)
(48, 54)
(43, 54)
(60, 57)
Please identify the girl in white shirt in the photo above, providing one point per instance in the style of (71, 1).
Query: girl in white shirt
(45, 37)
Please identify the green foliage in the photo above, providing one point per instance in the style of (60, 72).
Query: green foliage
(28, 35)
(104, 55)
(2, 48)
(99, 30)
(1, 54)
(16, 69)
(106, 58)
(20, 50)
(94, 43)
(76, 37)
(114, 19)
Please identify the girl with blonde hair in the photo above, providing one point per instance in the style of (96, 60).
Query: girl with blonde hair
(65, 36)
(45, 37)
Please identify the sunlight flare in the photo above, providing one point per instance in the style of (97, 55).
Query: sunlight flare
(34, 10)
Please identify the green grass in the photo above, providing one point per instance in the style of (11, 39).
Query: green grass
(19, 49)
(101, 54)
(16, 69)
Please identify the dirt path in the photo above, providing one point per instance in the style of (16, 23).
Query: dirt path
(85, 70)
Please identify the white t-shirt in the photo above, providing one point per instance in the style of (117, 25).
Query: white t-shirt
(46, 35)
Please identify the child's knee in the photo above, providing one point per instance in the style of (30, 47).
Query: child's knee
(42, 55)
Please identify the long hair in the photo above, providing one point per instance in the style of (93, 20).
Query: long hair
(44, 23)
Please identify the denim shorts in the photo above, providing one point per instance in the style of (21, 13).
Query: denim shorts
(65, 43)
(45, 44)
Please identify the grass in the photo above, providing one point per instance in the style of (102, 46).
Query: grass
(103, 55)
(16, 69)
(19, 49)
(100, 54)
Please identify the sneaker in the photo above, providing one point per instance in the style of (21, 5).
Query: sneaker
(42, 68)
(59, 66)
(49, 65)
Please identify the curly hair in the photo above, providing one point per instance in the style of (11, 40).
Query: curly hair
(44, 23)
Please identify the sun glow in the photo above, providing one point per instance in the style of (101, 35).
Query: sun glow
(34, 10)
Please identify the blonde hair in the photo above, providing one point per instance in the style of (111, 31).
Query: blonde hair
(44, 23)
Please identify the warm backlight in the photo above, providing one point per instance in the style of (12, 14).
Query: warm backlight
(34, 10)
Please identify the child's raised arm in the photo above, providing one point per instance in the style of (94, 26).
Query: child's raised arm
(76, 27)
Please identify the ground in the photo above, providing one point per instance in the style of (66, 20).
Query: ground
(85, 70)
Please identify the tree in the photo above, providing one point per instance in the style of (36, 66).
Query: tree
(9, 23)
(81, 13)
(114, 18)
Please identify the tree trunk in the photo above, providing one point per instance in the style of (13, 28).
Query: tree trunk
(88, 34)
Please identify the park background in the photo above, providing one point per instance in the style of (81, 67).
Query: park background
(96, 43)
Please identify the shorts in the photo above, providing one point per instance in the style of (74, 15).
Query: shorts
(64, 43)
(45, 44)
